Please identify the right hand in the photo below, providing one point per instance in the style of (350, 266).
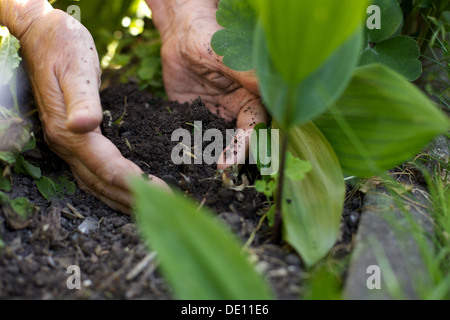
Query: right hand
(64, 71)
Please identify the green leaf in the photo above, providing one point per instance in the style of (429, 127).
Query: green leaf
(24, 167)
(52, 190)
(400, 53)
(380, 121)
(324, 283)
(235, 42)
(266, 187)
(149, 67)
(391, 18)
(312, 208)
(296, 168)
(301, 35)
(9, 56)
(30, 145)
(199, 257)
(47, 188)
(23, 207)
(65, 186)
(296, 105)
(8, 157)
(5, 184)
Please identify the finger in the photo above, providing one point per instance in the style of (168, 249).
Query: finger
(237, 151)
(79, 78)
(117, 206)
(247, 79)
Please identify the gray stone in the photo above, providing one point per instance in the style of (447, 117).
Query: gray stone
(385, 239)
(440, 148)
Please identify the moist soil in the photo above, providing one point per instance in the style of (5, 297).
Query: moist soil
(114, 262)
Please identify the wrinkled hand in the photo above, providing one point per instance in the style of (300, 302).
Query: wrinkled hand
(65, 75)
(192, 69)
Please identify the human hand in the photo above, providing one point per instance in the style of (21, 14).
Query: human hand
(192, 69)
(65, 76)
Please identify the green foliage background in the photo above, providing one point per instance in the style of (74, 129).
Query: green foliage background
(127, 42)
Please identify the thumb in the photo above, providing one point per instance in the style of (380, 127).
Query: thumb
(237, 151)
(80, 86)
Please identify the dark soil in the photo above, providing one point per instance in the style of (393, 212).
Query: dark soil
(34, 260)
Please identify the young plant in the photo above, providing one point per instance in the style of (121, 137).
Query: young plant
(363, 120)
(334, 116)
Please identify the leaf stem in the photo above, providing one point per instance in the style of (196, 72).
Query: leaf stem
(279, 195)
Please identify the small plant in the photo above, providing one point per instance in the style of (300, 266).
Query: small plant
(337, 111)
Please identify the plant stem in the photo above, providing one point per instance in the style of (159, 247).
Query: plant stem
(279, 196)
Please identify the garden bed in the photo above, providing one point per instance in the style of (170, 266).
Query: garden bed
(114, 262)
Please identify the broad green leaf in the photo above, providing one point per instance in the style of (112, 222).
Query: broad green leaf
(380, 121)
(312, 208)
(24, 167)
(387, 46)
(199, 257)
(9, 56)
(294, 105)
(390, 19)
(301, 35)
(400, 53)
(235, 42)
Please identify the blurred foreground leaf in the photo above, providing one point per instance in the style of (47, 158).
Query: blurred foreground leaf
(199, 257)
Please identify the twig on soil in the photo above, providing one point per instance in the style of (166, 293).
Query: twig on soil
(252, 236)
(141, 266)
(75, 211)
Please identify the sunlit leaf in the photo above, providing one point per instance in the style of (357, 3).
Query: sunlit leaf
(380, 121)
(5, 184)
(200, 258)
(9, 55)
